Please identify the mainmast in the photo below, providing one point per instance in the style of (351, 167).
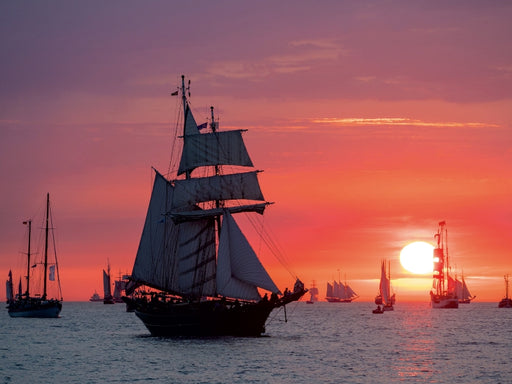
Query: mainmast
(46, 244)
(440, 258)
(29, 222)
(184, 99)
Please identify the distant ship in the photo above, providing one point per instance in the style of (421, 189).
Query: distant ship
(95, 297)
(38, 305)
(201, 273)
(461, 290)
(313, 291)
(337, 292)
(506, 302)
(107, 289)
(385, 297)
(119, 288)
(443, 293)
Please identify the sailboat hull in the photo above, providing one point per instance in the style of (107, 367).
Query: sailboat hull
(505, 303)
(338, 300)
(207, 318)
(35, 308)
(444, 301)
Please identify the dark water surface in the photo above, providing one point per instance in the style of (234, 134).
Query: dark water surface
(320, 343)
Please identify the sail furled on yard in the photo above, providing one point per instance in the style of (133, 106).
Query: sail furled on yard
(239, 271)
(214, 148)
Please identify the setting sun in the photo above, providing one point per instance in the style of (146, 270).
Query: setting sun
(417, 257)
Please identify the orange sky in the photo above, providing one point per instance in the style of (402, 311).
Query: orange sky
(372, 121)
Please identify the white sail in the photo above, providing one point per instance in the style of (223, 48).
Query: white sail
(174, 258)
(384, 285)
(221, 187)
(239, 271)
(462, 290)
(159, 239)
(196, 258)
(349, 292)
(214, 148)
(190, 123)
(465, 291)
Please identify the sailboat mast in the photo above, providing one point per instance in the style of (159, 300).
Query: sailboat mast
(217, 172)
(46, 244)
(29, 222)
(184, 99)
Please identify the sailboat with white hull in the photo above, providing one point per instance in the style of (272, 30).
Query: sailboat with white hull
(202, 276)
(25, 304)
(443, 294)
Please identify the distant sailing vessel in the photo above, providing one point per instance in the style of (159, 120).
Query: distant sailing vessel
(443, 293)
(385, 297)
(37, 305)
(313, 291)
(461, 290)
(95, 297)
(506, 302)
(193, 252)
(337, 292)
(120, 287)
(107, 288)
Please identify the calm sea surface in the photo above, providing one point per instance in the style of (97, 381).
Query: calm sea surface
(320, 343)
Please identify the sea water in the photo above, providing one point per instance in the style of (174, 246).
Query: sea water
(319, 343)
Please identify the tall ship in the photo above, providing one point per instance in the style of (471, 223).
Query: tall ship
(337, 292)
(28, 303)
(313, 292)
(385, 297)
(506, 302)
(195, 272)
(107, 287)
(443, 294)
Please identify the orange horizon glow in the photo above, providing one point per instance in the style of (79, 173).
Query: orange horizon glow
(366, 144)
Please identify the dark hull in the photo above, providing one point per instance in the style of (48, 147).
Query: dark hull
(207, 318)
(336, 300)
(35, 308)
(505, 303)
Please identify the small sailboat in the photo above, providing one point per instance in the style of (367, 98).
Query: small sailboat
(37, 305)
(385, 297)
(378, 310)
(337, 292)
(506, 302)
(443, 293)
(195, 271)
(107, 292)
(462, 290)
(313, 291)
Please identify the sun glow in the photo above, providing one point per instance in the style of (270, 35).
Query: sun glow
(417, 257)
